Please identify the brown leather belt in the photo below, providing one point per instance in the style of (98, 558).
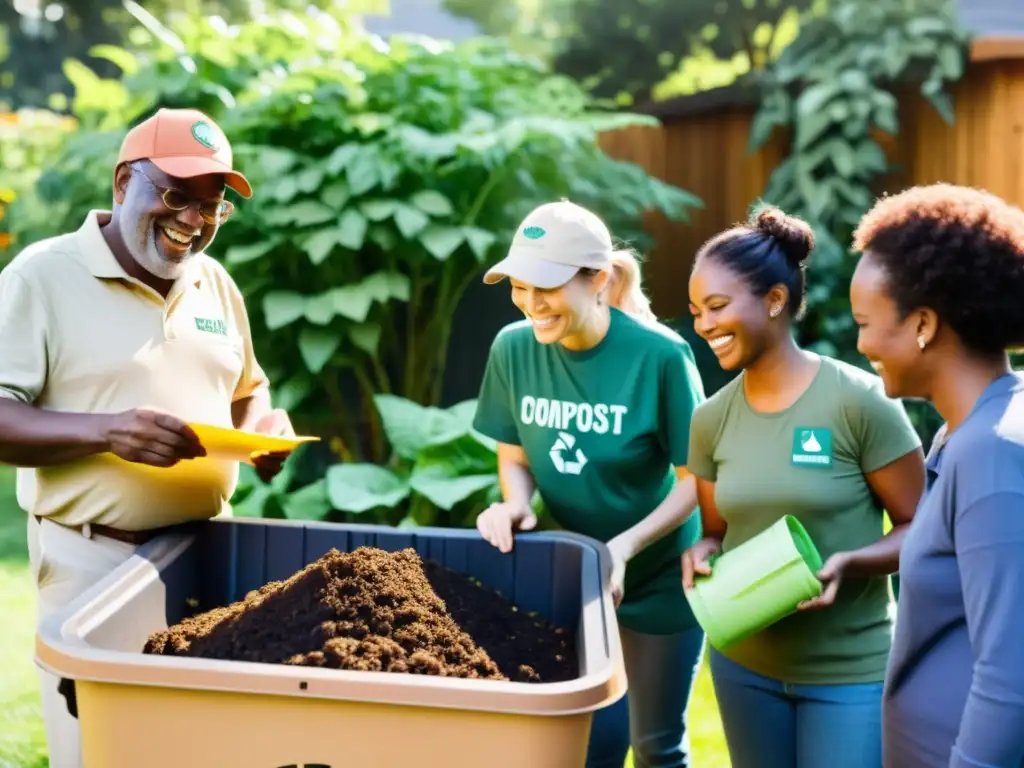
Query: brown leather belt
(135, 538)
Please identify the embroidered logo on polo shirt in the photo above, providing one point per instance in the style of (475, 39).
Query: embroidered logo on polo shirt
(212, 326)
(812, 447)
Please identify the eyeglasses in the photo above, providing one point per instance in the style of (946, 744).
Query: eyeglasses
(213, 211)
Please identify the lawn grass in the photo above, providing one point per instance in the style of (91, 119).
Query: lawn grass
(22, 740)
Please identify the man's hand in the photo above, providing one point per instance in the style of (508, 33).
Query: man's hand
(277, 424)
(150, 436)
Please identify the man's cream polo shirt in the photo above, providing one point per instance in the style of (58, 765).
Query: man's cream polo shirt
(77, 334)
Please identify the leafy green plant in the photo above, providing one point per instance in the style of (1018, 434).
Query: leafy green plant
(442, 471)
(28, 138)
(832, 90)
(387, 177)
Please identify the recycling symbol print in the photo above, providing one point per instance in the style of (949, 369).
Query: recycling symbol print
(565, 462)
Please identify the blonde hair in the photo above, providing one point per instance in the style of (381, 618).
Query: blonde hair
(626, 290)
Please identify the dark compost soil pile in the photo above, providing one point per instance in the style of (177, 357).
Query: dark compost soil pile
(378, 611)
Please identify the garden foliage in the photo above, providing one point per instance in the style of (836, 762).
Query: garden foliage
(388, 174)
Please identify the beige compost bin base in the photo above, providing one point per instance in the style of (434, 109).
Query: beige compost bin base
(247, 731)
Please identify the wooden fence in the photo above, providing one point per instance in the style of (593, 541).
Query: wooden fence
(706, 153)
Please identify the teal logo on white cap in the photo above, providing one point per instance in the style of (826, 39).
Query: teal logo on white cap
(205, 135)
(812, 447)
(534, 233)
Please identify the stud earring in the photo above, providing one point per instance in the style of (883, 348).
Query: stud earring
(921, 342)
(774, 312)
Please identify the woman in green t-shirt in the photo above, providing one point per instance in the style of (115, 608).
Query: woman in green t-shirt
(801, 434)
(591, 407)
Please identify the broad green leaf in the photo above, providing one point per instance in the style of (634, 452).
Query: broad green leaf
(926, 26)
(304, 213)
(308, 503)
(871, 157)
(384, 236)
(279, 485)
(943, 106)
(383, 286)
(320, 308)
(240, 254)
(336, 195)
(811, 128)
(352, 301)
(844, 158)
(293, 392)
(317, 346)
(126, 61)
(363, 172)
(463, 455)
(432, 202)
(464, 412)
(93, 92)
(446, 492)
(281, 308)
(340, 158)
(255, 503)
(441, 242)
(480, 240)
(951, 61)
(352, 229)
(366, 337)
(410, 427)
(310, 179)
(410, 221)
(761, 129)
(887, 120)
(814, 99)
(284, 189)
(320, 244)
(378, 210)
(358, 488)
(273, 161)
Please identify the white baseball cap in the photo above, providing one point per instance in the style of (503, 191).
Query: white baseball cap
(552, 244)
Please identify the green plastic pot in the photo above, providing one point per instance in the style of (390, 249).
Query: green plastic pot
(756, 584)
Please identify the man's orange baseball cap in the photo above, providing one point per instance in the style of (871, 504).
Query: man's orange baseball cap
(184, 143)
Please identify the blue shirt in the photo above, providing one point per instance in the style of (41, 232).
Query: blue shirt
(954, 690)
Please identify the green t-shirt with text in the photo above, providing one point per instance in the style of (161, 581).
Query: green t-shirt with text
(809, 461)
(603, 430)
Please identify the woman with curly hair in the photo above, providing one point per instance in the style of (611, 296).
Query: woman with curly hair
(939, 298)
(797, 433)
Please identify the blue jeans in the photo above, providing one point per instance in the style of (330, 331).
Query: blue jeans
(772, 724)
(652, 715)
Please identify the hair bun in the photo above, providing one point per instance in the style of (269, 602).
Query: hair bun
(794, 236)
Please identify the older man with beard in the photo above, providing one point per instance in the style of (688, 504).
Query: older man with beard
(112, 338)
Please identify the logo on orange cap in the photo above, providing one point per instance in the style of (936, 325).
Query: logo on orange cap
(184, 143)
(205, 135)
